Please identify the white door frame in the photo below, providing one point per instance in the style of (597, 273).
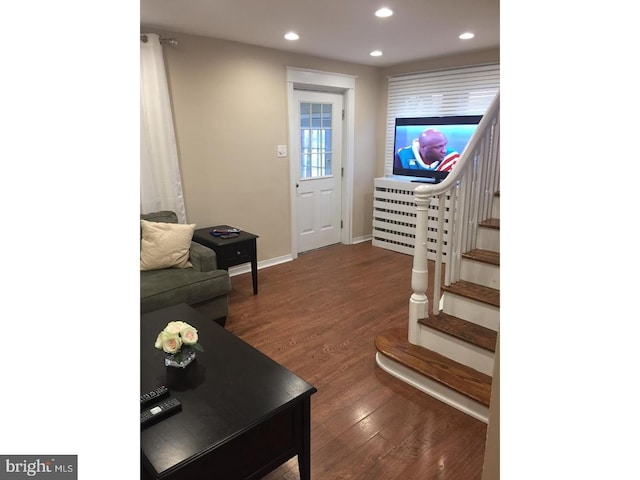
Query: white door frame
(324, 82)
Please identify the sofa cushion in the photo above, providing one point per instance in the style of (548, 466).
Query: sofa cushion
(165, 245)
(161, 288)
(166, 216)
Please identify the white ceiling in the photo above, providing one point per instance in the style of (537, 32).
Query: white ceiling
(344, 30)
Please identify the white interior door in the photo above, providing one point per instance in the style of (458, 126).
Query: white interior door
(319, 167)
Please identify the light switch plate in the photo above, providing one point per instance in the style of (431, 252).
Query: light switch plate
(282, 151)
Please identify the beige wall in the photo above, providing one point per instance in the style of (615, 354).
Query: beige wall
(230, 111)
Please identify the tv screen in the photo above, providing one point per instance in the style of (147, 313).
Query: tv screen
(429, 147)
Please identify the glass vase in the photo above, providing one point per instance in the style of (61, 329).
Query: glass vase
(181, 358)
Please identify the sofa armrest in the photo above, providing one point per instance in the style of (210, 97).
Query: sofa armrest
(202, 258)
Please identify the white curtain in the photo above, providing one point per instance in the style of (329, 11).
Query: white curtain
(160, 183)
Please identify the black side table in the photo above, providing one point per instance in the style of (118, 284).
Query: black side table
(231, 251)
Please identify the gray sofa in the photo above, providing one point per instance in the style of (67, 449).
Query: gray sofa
(203, 286)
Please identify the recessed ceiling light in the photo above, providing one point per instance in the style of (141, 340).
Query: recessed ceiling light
(384, 12)
(466, 36)
(376, 53)
(292, 36)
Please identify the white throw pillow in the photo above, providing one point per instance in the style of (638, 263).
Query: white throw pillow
(165, 245)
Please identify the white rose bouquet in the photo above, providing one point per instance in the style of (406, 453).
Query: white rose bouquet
(178, 338)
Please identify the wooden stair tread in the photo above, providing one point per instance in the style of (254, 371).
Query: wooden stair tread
(393, 343)
(485, 256)
(457, 327)
(475, 291)
(490, 223)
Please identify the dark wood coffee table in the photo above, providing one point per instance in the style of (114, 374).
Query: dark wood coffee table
(242, 413)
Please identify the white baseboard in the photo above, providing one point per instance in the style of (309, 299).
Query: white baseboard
(365, 238)
(246, 267)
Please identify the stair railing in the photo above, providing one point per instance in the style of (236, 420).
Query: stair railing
(464, 200)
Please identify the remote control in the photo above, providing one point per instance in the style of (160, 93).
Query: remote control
(216, 232)
(160, 411)
(154, 395)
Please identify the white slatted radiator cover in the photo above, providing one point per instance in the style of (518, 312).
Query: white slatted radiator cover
(394, 217)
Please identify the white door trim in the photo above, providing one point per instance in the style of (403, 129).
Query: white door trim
(334, 83)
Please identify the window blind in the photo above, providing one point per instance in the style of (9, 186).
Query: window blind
(460, 91)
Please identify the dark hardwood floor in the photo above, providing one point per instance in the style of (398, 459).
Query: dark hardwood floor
(319, 316)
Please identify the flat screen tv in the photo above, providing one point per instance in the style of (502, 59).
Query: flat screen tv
(427, 148)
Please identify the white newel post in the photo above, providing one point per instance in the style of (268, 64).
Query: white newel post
(419, 304)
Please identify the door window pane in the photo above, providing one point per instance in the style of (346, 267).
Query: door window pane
(315, 140)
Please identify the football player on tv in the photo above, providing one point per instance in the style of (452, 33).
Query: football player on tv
(428, 152)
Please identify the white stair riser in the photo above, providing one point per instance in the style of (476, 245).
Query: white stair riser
(495, 207)
(433, 388)
(488, 239)
(472, 311)
(462, 352)
(481, 273)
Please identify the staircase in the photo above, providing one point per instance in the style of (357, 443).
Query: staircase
(449, 352)
(454, 359)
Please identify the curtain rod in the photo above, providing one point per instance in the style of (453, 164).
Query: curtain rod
(172, 42)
